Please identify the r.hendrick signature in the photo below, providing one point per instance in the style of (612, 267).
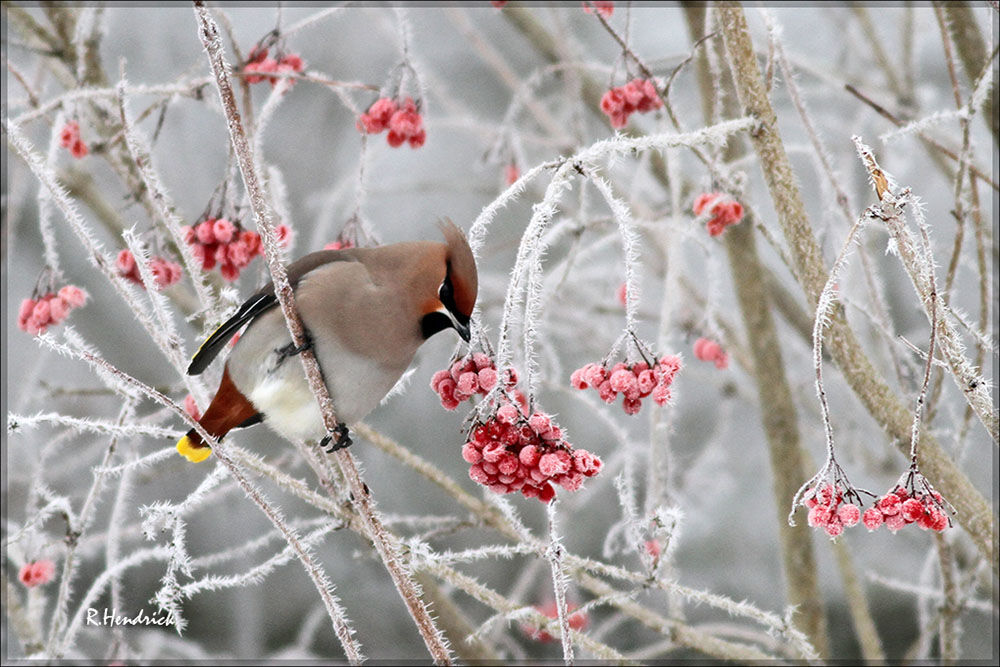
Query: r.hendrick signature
(112, 618)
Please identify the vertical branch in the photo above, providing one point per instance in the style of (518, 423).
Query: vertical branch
(402, 578)
(777, 405)
(950, 609)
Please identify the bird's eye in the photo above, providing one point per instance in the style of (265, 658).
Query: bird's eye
(447, 294)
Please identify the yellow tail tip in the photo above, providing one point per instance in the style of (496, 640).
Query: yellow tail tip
(192, 453)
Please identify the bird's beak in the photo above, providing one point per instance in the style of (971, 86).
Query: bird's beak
(462, 329)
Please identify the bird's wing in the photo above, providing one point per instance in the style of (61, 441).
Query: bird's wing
(260, 302)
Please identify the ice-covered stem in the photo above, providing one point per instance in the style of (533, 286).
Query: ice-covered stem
(975, 512)
(681, 633)
(455, 623)
(919, 265)
(554, 555)
(972, 52)
(780, 421)
(930, 141)
(76, 527)
(918, 413)
(264, 215)
(630, 246)
(824, 310)
(45, 207)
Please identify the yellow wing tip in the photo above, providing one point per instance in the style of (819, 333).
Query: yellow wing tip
(192, 453)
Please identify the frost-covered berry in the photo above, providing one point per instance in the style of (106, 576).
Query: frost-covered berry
(724, 211)
(638, 95)
(709, 350)
(872, 518)
(36, 573)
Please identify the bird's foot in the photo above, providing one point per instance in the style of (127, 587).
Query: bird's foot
(339, 439)
(291, 349)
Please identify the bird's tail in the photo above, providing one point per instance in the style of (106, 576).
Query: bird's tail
(229, 409)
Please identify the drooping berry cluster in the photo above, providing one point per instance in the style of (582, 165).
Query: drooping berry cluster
(578, 620)
(828, 509)
(622, 101)
(900, 507)
(511, 452)
(69, 137)
(473, 374)
(261, 68)
(36, 573)
(219, 241)
(634, 381)
(709, 350)
(403, 120)
(724, 210)
(165, 272)
(35, 315)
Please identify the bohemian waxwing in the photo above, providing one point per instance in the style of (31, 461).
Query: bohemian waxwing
(365, 310)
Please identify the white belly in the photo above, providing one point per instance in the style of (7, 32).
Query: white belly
(289, 406)
(356, 386)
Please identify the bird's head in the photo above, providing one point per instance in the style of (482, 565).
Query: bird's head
(456, 293)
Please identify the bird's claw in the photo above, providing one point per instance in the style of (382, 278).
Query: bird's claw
(340, 438)
(291, 349)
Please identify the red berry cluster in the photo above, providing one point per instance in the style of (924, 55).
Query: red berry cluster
(604, 7)
(621, 102)
(402, 120)
(219, 241)
(69, 137)
(165, 272)
(36, 573)
(35, 315)
(709, 350)
(899, 507)
(724, 211)
(827, 509)
(634, 381)
(577, 621)
(259, 67)
(471, 375)
(513, 452)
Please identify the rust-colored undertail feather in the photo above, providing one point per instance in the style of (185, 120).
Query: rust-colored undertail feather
(229, 409)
